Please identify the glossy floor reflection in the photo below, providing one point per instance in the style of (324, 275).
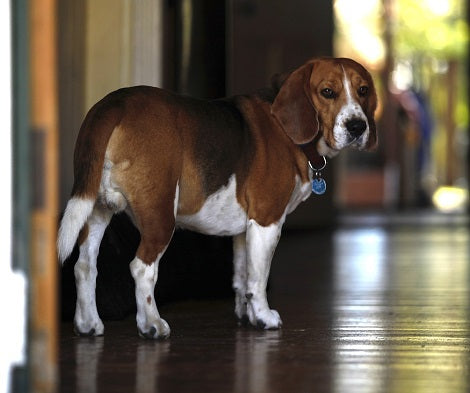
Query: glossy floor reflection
(368, 307)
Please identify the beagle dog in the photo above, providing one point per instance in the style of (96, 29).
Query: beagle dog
(228, 167)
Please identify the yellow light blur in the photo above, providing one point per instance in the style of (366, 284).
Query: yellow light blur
(439, 7)
(450, 199)
(361, 26)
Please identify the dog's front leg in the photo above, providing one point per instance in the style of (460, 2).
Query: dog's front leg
(260, 242)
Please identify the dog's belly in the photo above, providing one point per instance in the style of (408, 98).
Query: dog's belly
(220, 215)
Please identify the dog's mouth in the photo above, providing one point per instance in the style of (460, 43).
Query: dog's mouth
(326, 148)
(354, 142)
(359, 142)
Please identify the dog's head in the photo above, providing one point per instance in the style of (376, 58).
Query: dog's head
(333, 97)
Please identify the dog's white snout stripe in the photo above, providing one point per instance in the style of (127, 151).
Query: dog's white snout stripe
(353, 106)
(351, 111)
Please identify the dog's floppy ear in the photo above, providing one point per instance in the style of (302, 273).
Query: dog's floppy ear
(370, 113)
(293, 106)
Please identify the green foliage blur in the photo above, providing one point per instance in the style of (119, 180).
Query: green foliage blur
(433, 28)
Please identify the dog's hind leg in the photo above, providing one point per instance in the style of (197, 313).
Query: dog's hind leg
(87, 321)
(239, 276)
(156, 222)
(149, 323)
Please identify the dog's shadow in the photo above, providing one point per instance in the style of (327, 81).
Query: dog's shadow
(193, 267)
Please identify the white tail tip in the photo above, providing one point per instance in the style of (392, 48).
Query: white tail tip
(75, 216)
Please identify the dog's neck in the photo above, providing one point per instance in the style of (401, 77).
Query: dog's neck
(310, 151)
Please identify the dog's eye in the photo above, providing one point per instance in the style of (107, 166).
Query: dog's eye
(363, 90)
(328, 93)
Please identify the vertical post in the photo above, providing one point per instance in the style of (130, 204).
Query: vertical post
(450, 123)
(392, 171)
(43, 315)
(71, 34)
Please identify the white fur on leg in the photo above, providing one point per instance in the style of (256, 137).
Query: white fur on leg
(261, 243)
(149, 323)
(87, 320)
(239, 275)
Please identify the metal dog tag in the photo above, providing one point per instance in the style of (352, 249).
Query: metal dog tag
(318, 185)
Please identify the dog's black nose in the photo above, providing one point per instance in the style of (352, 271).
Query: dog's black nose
(356, 127)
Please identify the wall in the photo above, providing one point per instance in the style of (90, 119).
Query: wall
(103, 45)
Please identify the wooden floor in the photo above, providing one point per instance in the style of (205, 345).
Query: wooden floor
(372, 306)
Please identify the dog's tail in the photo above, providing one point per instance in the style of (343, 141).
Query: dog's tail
(76, 214)
(89, 157)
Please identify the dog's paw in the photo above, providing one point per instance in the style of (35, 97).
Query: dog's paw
(266, 319)
(157, 330)
(88, 329)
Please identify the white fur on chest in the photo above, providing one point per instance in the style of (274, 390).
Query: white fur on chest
(220, 215)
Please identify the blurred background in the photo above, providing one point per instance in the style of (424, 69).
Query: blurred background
(67, 54)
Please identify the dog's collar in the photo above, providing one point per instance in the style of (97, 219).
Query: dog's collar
(317, 163)
(315, 160)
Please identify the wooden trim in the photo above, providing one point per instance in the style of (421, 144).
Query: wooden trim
(43, 303)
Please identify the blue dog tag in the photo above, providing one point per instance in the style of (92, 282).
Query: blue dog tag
(318, 186)
(318, 183)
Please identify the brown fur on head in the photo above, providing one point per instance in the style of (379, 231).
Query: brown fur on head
(327, 95)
